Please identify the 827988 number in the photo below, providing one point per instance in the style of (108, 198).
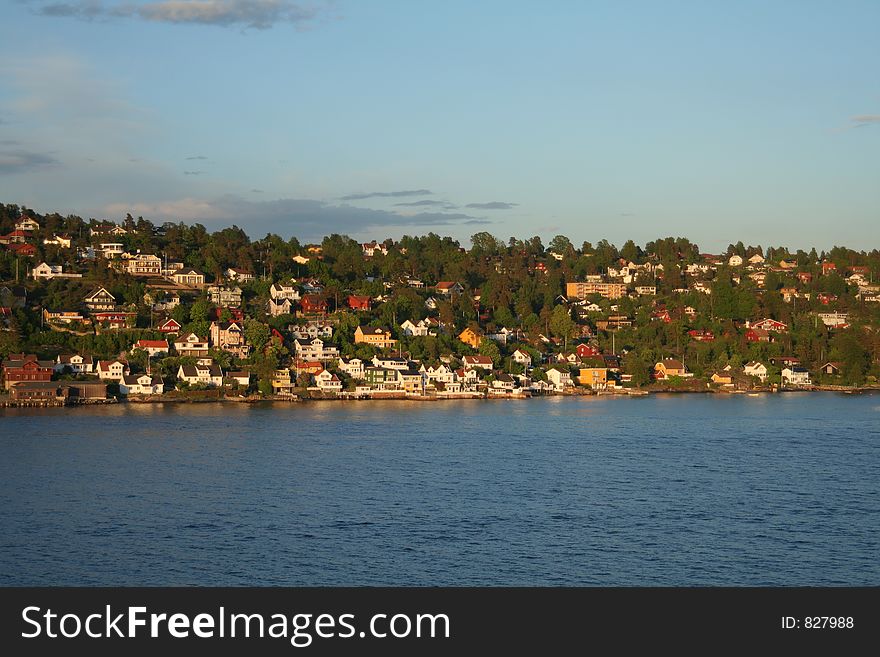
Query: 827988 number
(831, 622)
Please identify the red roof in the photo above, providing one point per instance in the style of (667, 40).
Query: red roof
(155, 344)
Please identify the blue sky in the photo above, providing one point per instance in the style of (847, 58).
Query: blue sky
(714, 120)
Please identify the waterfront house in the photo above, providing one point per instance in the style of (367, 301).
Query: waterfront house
(670, 367)
(757, 369)
(191, 345)
(26, 367)
(560, 378)
(241, 379)
(75, 363)
(594, 377)
(722, 379)
(100, 300)
(328, 382)
(53, 392)
(796, 376)
(204, 372)
(112, 370)
(353, 367)
(391, 362)
(375, 336)
(141, 384)
(283, 382)
(381, 378)
(439, 374)
(411, 381)
(831, 368)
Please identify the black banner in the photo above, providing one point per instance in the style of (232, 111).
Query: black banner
(434, 620)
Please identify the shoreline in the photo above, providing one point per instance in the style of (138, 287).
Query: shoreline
(274, 399)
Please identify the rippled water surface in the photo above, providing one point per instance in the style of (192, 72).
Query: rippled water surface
(664, 490)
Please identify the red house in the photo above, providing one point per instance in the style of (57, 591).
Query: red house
(358, 302)
(170, 326)
(661, 316)
(825, 299)
(701, 336)
(805, 277)
(770, 325)
(828, 268)
(236, 314)
(22, 249)
(313, 303)
(586, 350)
(758, 335)
(21, 367)
(115, 320)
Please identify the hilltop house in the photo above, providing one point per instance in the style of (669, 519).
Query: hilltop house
(521, 357)
(281, 291)
(170, 326)
(100, 300)
(191, 345)
(471, 337)
(276, 307)
(448, 288)
(315, 350)
(376, 336)
(189, 277)
(225, 297)
(239, 275)
(229, 336)
(152, 347)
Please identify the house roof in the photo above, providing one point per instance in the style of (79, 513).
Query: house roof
(671, 364)
(154, 344)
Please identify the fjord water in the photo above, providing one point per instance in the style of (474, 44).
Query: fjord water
(661, 490)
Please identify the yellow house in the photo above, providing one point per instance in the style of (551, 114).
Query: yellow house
(722, 378)
(595, 377)
(471, 337)
(376, 336)
(670, 367)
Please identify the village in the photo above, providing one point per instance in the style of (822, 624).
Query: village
(99, 311)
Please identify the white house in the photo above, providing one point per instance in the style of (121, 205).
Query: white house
(27, 224)
(205, 372)
(277, 307)
(77, 363)
(311, 330)
(442, 374)
(735, 260)
(754, 368)
(141, 384)
(152, 347)
(796, 376)
(328, 382)
(281, 291)
(471, 362)
(62, 241)
(236, 274)
(560, 378)
(522, 358)
(112, 370)
(418, 329)
(315, 349)
(112, 249)
(191, 345)
(354, 367)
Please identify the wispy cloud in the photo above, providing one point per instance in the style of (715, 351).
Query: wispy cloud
(20, 160)
(257, 14)
(864, 120)
(193, 173)
(197, 157)
(305, 218)
(492, 205)
(860, 121)
(402, 193)
(424, 203)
